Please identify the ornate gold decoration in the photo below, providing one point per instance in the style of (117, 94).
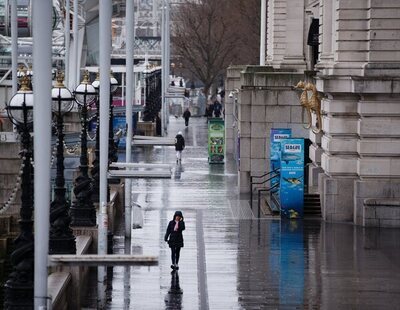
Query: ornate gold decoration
(306, 112)
(25, 81)
(311, 103)
(315, 105)
(85, 77)
(60, 79)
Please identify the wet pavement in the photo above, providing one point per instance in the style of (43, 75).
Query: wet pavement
(231, 260)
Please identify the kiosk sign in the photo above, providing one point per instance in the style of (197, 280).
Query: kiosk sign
(292, 178)
(216, 141)
(277, 135)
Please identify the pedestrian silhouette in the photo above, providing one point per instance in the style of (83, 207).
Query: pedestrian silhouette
(186, 116)
(174, 237)
(179, 146)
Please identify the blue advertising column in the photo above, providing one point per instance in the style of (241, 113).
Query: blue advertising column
(292, 178)
(277, 135)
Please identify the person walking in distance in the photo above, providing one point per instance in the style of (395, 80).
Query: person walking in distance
(174, 238)
(179, 146)
(186, 116)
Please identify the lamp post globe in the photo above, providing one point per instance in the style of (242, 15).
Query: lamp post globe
(83, 212)
(62, 240)
(19, 286)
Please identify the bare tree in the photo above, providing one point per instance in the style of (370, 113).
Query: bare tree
(246, 14)
(204, 38)
(210, 35)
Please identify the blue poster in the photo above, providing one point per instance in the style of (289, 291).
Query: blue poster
(292, 178)
(119, 123)
(277, 135)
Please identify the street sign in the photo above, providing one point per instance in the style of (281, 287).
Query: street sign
(216, 141)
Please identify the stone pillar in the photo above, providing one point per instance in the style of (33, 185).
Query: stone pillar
(350, 40)
(326, 32)
(232, 87)
(294, 36)
(276, 28)
(339, 149)
(244, 125)
(379, 143)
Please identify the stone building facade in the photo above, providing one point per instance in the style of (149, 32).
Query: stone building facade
(356, 69)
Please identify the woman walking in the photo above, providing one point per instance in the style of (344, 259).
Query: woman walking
(175, 241)
(179, 146)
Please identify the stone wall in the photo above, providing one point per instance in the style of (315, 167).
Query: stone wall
(266, 100)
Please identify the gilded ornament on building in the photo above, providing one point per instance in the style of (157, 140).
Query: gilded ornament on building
(311, 103)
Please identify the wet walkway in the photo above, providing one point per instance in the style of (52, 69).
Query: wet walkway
(232, 260)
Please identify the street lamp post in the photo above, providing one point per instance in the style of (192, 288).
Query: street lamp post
(95, 172)
(112, 147)
(62, 241)
(83, 212)
(19, 286)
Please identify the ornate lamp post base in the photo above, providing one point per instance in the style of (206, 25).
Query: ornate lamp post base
(96, 179)
(18, 296)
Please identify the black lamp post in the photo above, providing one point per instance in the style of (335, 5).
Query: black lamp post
(83, 212)
(62, 241)
(95, 172)
(112, 146)
(19, 286)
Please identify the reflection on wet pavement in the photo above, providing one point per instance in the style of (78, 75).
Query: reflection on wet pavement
(231, 260)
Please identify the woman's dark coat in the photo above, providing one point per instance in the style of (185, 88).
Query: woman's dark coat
(186, 114)
(175, 237)
(179, 143)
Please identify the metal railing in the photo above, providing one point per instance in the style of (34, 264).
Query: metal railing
(272, 174)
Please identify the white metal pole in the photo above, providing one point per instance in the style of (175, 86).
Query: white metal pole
(42, 41)
(67, 34)
(167, 63)
(14, 45)
(163, 61)
(130, 95)
(105, 66)
(76, 74)
(263, 31)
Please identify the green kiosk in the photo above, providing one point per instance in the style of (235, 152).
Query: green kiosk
(216, 141)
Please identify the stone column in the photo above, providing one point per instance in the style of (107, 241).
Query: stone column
(379, 144)
(350, 37)
(294, 36)
(326, 32)
(232, 87)
(339, 146)
(245, 138)
(276, 28)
